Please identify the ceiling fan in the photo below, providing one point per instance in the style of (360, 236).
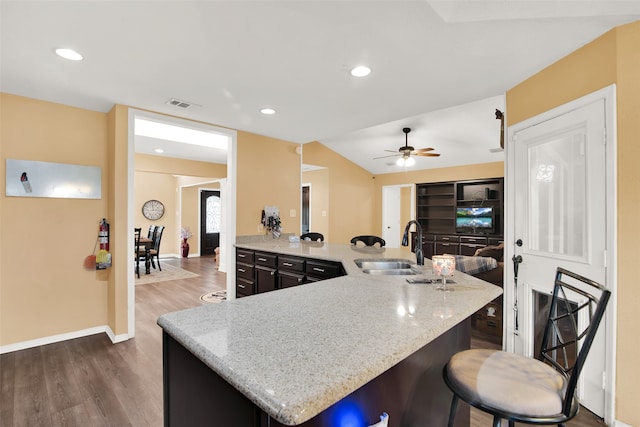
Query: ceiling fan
(406, 151)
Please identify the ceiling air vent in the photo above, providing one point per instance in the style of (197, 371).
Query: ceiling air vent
(178, 103)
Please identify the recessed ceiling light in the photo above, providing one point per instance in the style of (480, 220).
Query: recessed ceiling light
(268, 111)
(360, 71)
(69, 54)
(159, 150)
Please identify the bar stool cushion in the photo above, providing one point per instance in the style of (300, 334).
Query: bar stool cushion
(507, 382)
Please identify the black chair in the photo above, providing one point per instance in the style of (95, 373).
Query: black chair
(368, 240)
(316, 237)
(152, 232)
(534, 391)
(154, 252)
(136, 247)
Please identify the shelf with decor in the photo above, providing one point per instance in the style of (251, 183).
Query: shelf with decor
(441, 208)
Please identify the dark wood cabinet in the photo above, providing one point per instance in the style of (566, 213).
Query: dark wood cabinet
(259, 271)
(487, 322)
(245, 273)
(436, 205)
(322, 270)
(290, 271)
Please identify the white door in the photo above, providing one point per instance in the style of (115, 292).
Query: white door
(559, 206)
(391, 216)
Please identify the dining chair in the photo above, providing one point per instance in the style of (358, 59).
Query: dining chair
(154, 252)
(136, 247)
(316, 237)
(368, 240)
(534, 391)
(152, 231)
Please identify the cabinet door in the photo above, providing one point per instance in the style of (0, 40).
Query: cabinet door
(287, 280)
(266, 279)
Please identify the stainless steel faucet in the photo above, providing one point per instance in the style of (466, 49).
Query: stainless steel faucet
(418, 243)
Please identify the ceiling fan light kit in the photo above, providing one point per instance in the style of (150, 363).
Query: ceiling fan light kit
(405, 162)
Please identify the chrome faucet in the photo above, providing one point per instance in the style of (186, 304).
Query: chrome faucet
(418, 244)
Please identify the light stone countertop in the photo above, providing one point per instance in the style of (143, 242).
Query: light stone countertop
(296, 351)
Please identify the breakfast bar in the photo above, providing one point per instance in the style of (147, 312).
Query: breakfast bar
(318, 354)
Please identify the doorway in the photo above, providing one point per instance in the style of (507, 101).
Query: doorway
(398, 207)
(227, 186)
(559, 180)
(306, 208)
(210, 221)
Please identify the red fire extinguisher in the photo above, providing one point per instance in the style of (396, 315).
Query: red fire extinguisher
(103, 235)
(103, 258)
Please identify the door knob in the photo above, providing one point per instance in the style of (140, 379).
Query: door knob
(519, 242)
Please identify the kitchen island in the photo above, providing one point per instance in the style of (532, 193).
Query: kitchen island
(319, 353)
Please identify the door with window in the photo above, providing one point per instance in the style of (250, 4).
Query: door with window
(210, 211)
(558, 200)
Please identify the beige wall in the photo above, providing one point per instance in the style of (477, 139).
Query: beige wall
(612, 58)
(268, 175)
(351, 193)
(59, 290)
(44, 289)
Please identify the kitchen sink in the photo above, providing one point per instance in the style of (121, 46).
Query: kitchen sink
(387, 266)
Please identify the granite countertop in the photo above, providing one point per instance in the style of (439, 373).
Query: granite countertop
(296, 351)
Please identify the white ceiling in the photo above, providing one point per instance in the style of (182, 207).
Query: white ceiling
(232, 58)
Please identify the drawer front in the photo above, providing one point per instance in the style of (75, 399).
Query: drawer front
(469, 249)
(447, 238)
(288, 280)
(323, 270)
(266, 260)
(290, 264)
(429, 238)
(473, 239)
(447, 248)
(243, 255)
(495, 241)
(244, 271)
(245, 287)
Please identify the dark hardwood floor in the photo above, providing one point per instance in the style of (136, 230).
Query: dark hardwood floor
(91, 382)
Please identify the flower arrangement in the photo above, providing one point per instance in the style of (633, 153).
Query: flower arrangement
(185, 233)
(273, 225)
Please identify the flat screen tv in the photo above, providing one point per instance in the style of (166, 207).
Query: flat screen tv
(478, 220)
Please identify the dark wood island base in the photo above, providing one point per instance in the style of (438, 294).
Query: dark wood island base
(412, 392)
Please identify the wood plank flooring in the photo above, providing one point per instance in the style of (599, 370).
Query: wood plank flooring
(91, 382)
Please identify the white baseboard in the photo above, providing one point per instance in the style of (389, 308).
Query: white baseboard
(620, 424)
(64, 337)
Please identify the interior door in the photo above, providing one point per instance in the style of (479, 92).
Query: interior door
(559, 205)
(210, 219)
(391, 216)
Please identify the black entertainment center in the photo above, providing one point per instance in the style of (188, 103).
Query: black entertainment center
(459, 217)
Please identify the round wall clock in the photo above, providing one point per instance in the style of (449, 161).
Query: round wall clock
(153, 209)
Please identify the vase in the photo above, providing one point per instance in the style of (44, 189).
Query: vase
(185, 248)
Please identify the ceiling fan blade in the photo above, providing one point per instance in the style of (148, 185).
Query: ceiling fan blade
(424, 149)
(427, 154)
(391, 151)
(384, 157)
